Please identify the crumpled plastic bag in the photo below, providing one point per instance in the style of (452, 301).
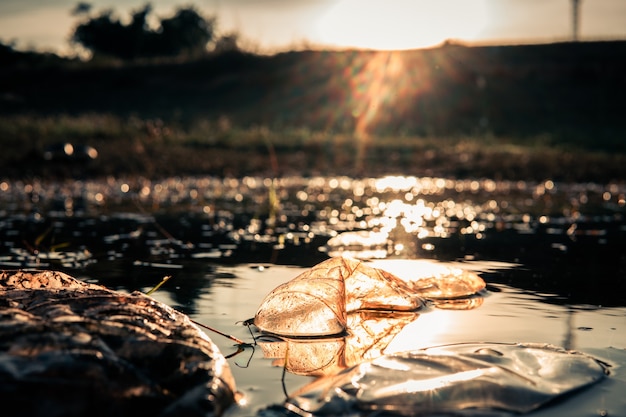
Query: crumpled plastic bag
(370, 333)
(461, 380)
(316, 303)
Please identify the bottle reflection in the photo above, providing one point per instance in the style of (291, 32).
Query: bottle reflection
(368, 335)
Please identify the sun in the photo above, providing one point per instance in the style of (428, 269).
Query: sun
(400, 24)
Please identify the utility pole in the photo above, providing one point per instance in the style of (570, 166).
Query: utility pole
(575, 19)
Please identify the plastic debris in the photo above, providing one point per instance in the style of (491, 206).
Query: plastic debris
(461, 380)
(370, 333)
(316, 303)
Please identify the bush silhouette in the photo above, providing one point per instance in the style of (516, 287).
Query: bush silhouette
(186, 32)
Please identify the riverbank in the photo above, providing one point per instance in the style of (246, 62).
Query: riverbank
(529, 112)
(156, 149)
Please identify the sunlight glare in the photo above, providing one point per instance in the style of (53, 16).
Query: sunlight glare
(428, 330)
(413, 269)
(404, 24)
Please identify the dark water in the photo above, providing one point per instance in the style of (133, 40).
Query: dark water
(553, 255)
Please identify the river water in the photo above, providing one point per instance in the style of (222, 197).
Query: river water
(553, 256)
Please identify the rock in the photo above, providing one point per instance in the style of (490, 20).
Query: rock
(68, 348)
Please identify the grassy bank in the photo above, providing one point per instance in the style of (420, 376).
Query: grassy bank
(512, 112)
(154, 148)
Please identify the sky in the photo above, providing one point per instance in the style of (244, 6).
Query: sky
(269, 26)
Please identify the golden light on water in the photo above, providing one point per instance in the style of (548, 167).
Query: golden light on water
(365, 218)
(401, 215)
(421, 217)
(430, 329)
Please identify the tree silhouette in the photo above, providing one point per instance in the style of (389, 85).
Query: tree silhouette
(186, 32)
(81, 8)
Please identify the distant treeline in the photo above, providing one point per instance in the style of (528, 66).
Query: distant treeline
(187, 33)
(564, 93)
(104, 35)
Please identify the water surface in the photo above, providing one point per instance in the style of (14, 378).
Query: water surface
(508, 314)
(553, 255)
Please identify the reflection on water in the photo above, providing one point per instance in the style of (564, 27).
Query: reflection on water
(564, 235)
(505, 315)
(370, 333)
(461, 379)
(553, 256)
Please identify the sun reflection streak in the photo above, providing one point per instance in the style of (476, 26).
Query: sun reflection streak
(379, 84)
(429, 330)
(412, 210)
(432, 384)
(396, 216)
(375, 85)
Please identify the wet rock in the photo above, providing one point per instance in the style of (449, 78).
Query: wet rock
(69, 348)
